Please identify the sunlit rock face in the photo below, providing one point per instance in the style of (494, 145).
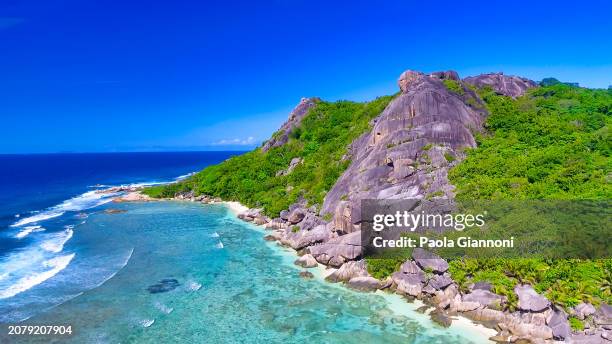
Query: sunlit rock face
(410, 148)
(295, 118)
(413, 143)
(508, 85)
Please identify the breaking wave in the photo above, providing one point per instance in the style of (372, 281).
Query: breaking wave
(84, 201)
(53, 266)
(27, 230)
(57, 241)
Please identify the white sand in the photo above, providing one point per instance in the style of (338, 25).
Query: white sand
(236, 207)
(396, 302)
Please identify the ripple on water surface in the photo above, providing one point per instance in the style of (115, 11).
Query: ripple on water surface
(247, 292)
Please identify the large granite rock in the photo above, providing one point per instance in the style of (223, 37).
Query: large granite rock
(348, 271)
(439, 282)
(292, 165)
(598, 337)
(390, 163)
(557, 321)
(410, 267)
(306, 261)
(364, 283)
(512, 86)
(296, 216)
(337, 251)
(409, 284)
(484, 298)
(429, 261)
(583, 310)
(303, 238)
(295, 118)
(605, 310)
(529, 300)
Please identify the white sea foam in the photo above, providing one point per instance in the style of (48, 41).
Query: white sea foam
(214, 235)
(219, 245)
(27, 230)
(121, 266)
(84, 201)
(53, 265)
(45, 215)
(163, 308)
(184, 176)
(87, 200)
(146, 322)
(57, 240)
(193, 286)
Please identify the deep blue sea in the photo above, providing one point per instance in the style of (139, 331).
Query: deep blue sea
(168, 271)
(44, 196)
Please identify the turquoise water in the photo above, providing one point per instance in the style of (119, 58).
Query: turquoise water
(243, 291)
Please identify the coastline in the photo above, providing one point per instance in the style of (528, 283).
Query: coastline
(396, 302)
(235, 207)
(536, 321)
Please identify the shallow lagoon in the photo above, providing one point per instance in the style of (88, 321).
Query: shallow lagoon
(244, 290)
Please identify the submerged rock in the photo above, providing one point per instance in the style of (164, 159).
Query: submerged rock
(306, 274)
(440, 318)
(114, 211)
(423, 309)
(164, 285)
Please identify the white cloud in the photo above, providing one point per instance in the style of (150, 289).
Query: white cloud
(236, 142)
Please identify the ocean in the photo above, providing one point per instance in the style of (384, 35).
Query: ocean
(168, 272)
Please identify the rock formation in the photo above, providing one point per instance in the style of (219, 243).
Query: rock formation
(512, 86)
(406, 156)
(295, 118)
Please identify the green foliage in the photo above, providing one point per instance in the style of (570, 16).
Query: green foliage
(576, 324)
(321, 140)
(382, 268)
(549, 82)
(449, 157)
(552, 143)
(454, 86)
(295, 229)
(566, 282)
(165, 191)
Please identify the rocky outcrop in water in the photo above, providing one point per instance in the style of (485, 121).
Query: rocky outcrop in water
(165, 285)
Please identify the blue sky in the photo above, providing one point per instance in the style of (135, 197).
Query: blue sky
(191, 75)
